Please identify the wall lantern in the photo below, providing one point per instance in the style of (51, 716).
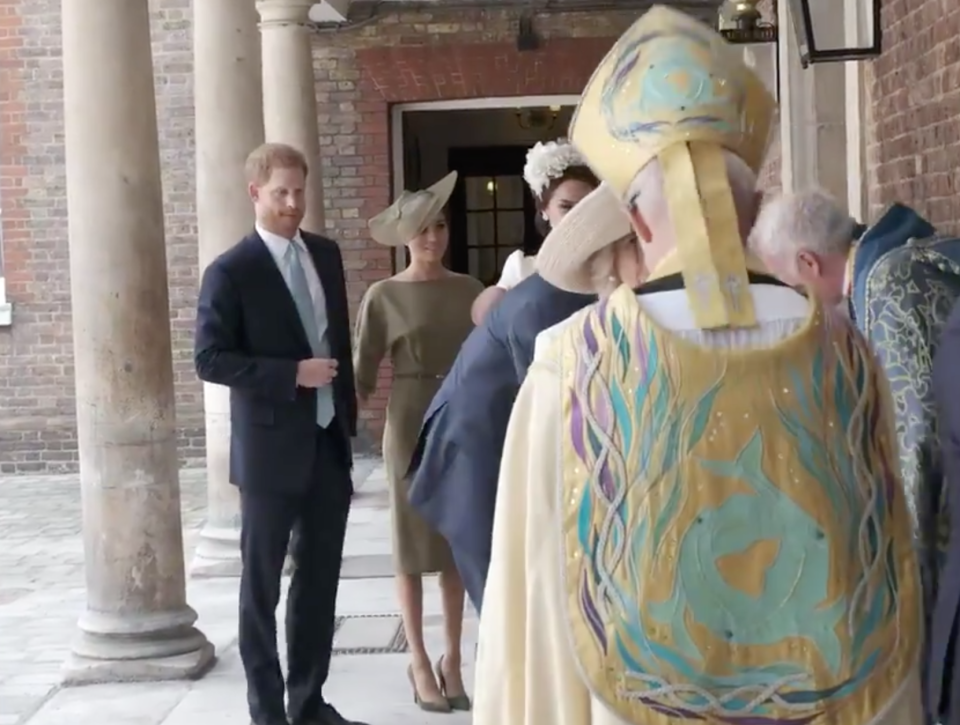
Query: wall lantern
(741, 23)
(539, 119)
(831, 31)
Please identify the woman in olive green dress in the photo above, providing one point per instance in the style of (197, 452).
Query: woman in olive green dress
(418, 318)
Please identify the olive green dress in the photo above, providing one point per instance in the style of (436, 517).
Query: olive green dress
(420, 326)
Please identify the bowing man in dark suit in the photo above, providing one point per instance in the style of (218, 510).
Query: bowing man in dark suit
(272, 325)
(453, 475)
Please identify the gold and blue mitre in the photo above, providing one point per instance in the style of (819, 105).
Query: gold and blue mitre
(675, 90)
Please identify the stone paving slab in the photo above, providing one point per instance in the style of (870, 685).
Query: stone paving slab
(367, 566)
(42, 583)
(113, 704)
(371, 634)
(372, 688)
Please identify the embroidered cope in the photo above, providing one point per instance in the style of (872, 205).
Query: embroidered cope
(729, 540)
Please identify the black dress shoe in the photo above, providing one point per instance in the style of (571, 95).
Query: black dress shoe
(329, 716)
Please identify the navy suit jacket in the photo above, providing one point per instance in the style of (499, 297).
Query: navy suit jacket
(944, 687)
(453, 476)
(906, 283)
(249, 338)
(898, 224)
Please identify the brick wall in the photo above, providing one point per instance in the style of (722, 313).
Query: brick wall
(37, 429)
(913, 131)
(913, 141)
(464, 58)
(361, 70)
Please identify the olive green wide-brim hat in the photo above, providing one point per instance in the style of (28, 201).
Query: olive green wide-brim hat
(411, 213)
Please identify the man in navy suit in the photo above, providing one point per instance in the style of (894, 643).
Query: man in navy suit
(273, 326)
(455, 467)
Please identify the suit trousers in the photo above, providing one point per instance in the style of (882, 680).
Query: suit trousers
(318, 515)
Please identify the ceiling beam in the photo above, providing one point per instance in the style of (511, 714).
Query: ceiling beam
(330, 11)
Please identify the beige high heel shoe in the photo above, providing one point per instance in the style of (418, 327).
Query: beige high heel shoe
(426, 705)
(457, 702)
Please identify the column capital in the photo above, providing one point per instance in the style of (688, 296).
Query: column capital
(280, 13)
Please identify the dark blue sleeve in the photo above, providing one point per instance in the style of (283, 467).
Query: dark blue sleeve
(544, 307)
(219, 356)
(940, 667)
(346, 378)
(946, 384)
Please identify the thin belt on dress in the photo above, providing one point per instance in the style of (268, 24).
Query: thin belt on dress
(418, 376)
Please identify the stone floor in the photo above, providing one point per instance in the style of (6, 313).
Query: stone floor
(42, 593)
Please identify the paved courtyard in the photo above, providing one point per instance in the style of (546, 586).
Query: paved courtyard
(42, 594)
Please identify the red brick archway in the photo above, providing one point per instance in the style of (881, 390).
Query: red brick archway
(409, 74)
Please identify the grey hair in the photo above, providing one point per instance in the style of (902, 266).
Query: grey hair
(812, 221)
(646, 192)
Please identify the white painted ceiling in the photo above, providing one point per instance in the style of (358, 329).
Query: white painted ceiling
(330, 11)
(335, 11)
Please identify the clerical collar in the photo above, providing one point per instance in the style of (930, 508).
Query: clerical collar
(673, 282)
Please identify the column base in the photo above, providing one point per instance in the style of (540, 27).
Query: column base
(218, 553)
(138, 648)
(79, 670)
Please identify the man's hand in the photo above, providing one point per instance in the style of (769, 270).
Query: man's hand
(316, 372)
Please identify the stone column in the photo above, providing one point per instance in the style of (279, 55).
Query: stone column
(856, 118)
(813, 117)
(289, 91)
(137, 624)
(229, 116)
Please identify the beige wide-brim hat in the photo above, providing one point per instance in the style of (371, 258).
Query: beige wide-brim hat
(411, 213)
(597, 222)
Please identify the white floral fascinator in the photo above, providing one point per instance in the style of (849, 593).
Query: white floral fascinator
(548, 161)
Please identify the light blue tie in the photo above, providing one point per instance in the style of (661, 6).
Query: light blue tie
(300, 290)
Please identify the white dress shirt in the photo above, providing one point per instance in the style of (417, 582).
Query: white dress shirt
(277, 247)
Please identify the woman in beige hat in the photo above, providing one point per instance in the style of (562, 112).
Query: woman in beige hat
(418, 318)
(598, 234)
(558, 179)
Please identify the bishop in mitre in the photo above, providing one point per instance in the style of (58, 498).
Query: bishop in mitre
(700, 517)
